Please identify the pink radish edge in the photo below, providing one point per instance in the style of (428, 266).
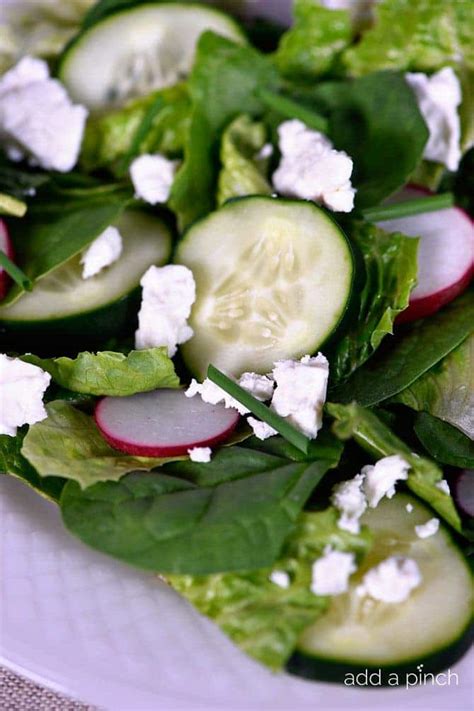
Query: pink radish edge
(7, 247)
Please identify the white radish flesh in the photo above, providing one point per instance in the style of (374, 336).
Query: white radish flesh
(445, 254)
(7, 248)
(163, 423)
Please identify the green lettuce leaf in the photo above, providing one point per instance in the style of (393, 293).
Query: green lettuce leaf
(157, 123)
(443, 442)
(222, 85)
(390, 262)
(423, 35)
(377, 439)
(242, 172)
(68, 444)
(109, 373)
(263, 619)
(313, 43)
(412, 352)
(447, 390)
(232, 514)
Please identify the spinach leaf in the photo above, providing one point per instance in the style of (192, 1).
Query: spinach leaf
(14, 463)
(222, 85)
(164, 523)
(242, 172)
(376, 120)
(390, 262)
(412, 352)
(109, 373)
(447, 390)
(376, 438)
(444, 443)
(58, 226)
(263, 619)
(69, 445)
(313, 43)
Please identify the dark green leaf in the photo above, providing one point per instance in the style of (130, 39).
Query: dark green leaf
(444, 443)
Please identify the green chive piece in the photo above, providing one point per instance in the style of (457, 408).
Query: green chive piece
(408, 207)
(15, 272)
(293, 110)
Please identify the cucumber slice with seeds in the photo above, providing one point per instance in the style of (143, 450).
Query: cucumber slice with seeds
(432, 627)
(136, 51)
(273, 280)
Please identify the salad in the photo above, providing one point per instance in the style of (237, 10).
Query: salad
(236, 316)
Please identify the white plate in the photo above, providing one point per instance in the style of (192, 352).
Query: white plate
(84, 624)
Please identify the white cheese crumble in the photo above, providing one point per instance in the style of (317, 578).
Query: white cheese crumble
(438, 98)
(349, 499)
(104, 251)
(331, 572)
(443, 486)
(167, 297)
(260, 429)
(310, 168)
(425, 530)
(409, 508)
(200, 454)
(392, 580)
(37, 118)
(266, 151)
(152, 177)
(213, 394)
(260, 386)
(300, 392)
(22, 386)
(280, 578)
(380, 478)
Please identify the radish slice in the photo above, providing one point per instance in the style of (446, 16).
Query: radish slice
(6, 247)
(462, 489)
(162, 423)
(445, 255)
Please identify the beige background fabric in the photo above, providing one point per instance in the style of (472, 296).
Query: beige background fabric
(19, 694)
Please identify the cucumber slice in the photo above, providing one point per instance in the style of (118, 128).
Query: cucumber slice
(432, 627)
(273, 280)
(64, 302)
(138, 50)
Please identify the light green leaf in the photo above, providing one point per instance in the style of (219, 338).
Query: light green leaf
(109, 373)
(353, 421)
(447, 390)
(68, 444)
(242, 172)
(263, 619)
(390, 262)
(311, 46)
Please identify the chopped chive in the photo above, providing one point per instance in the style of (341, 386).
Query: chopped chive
(10, 205)
(293, 110)
(141, 132)
(409, 207)
(257, 408)
(15, 272)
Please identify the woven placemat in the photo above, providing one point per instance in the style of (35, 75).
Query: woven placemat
(19, 694)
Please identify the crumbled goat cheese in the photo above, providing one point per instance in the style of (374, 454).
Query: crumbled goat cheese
(280, 578)
(152, 177)
(438, 98)
(213, 394)
(167, 297)
(266, 151)
(22, 386)
(349, 499)
(331, 572)
(392, 580)
(425, 530)
(200, 454)
(380, 478)
(312, 169)
(300, 392)
(260, 429)
(104, 251)
(443, 486)
(409, 508)
(260, 386)
(37, 118)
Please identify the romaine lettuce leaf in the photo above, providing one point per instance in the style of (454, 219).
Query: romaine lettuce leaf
(447, 390)
(354, 421)
(390, 274)
(242, 172)
(109, 373)
(68, 444)
(313, 43)
(422, 35)
(263, 619)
